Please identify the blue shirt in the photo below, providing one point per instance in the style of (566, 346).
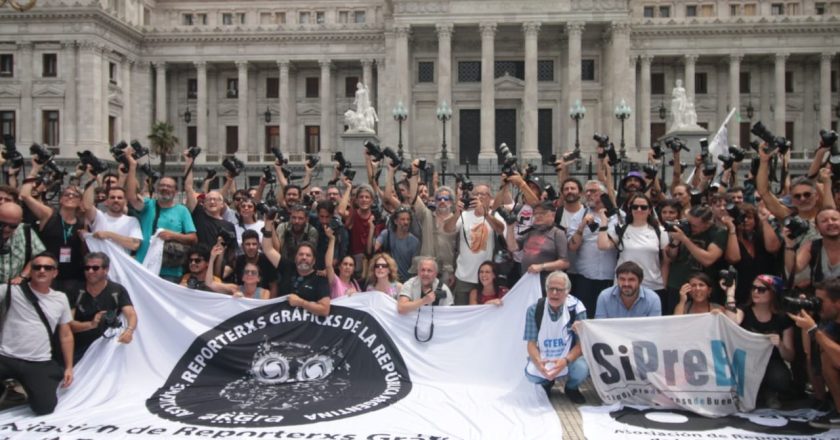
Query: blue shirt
(575, 306)
(176, 219)
(610, 304)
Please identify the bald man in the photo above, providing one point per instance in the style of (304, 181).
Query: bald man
(208, 218)
(17, 244)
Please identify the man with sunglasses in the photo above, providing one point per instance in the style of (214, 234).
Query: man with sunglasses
(99, 305)
(821, 255)
(17, 244)
(198, 265)
(33, 313)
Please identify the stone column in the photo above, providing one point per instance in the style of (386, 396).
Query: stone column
(70, 134)
(326, 109)
(283, 118)
(690, 63)
(143, 107)
(765, 92)
(242, 111)
(643, 110)
(444, 34)
(367, 75)
(622, 84)
(160, 92)
(574, 30)
(530, 99)
(201, 105)
(825, 89)
(90, 122)
(403, 82)
(735, 96)
(24, 74)
(780, 102)
(631, 123)
(487, 155)
(127, 115)
(216, 133)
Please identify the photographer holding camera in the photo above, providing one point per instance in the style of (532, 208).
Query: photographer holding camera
(822, 344)
(543, 246)
(112, 224)
(292, 233)
(99, 306)
(757, 251)
(198, 263)
(208, 216)
(822, 254)
(424, 289)
(398, 241)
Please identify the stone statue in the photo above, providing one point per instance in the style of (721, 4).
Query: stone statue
(682, 108)
(364, 118)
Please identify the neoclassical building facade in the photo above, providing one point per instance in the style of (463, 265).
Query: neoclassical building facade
(240, 77)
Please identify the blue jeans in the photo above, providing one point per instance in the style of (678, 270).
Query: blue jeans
(577, 373)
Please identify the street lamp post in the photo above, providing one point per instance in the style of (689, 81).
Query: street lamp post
(622, 112)
(444, 113)
(400, 115)
(577, 112)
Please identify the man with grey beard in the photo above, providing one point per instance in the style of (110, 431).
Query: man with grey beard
(438, 228)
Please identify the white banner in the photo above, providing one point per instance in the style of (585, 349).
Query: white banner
(640, 423)
(702, 363)
(210, 365)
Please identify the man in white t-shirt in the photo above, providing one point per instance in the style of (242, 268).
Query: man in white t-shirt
(26, 350)
(477, 230)
(112, 224)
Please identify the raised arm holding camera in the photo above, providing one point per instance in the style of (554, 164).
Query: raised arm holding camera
(821, 254)
(112, 223)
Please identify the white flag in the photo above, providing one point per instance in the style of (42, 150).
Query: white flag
(720, 143)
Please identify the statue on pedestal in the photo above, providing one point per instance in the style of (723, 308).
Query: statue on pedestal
(682, 109)
(364, 118)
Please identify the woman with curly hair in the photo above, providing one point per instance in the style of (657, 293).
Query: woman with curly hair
(382, 275)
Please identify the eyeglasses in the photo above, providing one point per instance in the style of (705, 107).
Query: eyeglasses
(71, 195)
(93, 268)
(639, 207)
(443, 198)
(196, 260)
(251, 272)
(380, 266)
(44, 267)
(556, 289)
(9, 225)
(760, 289)
(803, 196)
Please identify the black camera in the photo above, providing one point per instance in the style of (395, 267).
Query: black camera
(683, 225)
(376, 212)
(466, 183)
(754, 144)
(773, 142)
(601, 139)
(110, 319)
(338, 157)
(350, 173)
(269, 212)
(676, 144)
(87, 158)
(610, 153)
(227, 238)
(657, 150)
(508, 160)
(140, 150)
(709, 168)
(568, 157)
(466, 199)
(41, 153)
(211, 174)
(268, 175)
(278, 156)
(738, 154)
(608, 205)
(373, 150)
(793, 304)
(682, 164)
(796, 226)
(696, 197)
(193, 152)
(10, 153)
(440, 295)
(150, 172)
(312, 160)
(392, 155)
(735, 212)
(650, 171)
(550, 192)
(727, 160)
(233, 165)
(335, 224)
(507, 216)
(728, 276)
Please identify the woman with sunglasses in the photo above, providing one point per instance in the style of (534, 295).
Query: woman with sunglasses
(489, 290)
(761, 314)
(757, 250)
(250, 287)
(341, 283)
(247, 219)
(695, 296)
(59, 229)
(382, 275)
(641, 240)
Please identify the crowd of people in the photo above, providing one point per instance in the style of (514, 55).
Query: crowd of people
(712, 243)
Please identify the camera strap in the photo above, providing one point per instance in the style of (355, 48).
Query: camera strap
(431, 326)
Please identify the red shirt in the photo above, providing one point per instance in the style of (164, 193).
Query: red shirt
(360, 231)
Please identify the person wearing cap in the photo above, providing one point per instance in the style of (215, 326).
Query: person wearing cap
(761, 314)
(633, 182)
(543, 247)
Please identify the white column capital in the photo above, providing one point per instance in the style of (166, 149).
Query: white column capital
(325, 64)
(159, 65)
(241, 65)
(200, 65)
(487, 29)
(531, 28)
(826, 56)
(691, 58)
(366, 62)
(69, 44)
(620, 28)
(735, 57)
(646, 59)
(91, 46)
(283, 65)
(444, 30)
(781, 57)
(130, 61)
(402, 30)
(575, 28)
(24, 45)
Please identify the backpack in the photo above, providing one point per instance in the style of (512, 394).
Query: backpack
(619, 245)
(540, 310)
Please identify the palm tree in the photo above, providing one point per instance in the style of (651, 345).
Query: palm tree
(163, 141)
